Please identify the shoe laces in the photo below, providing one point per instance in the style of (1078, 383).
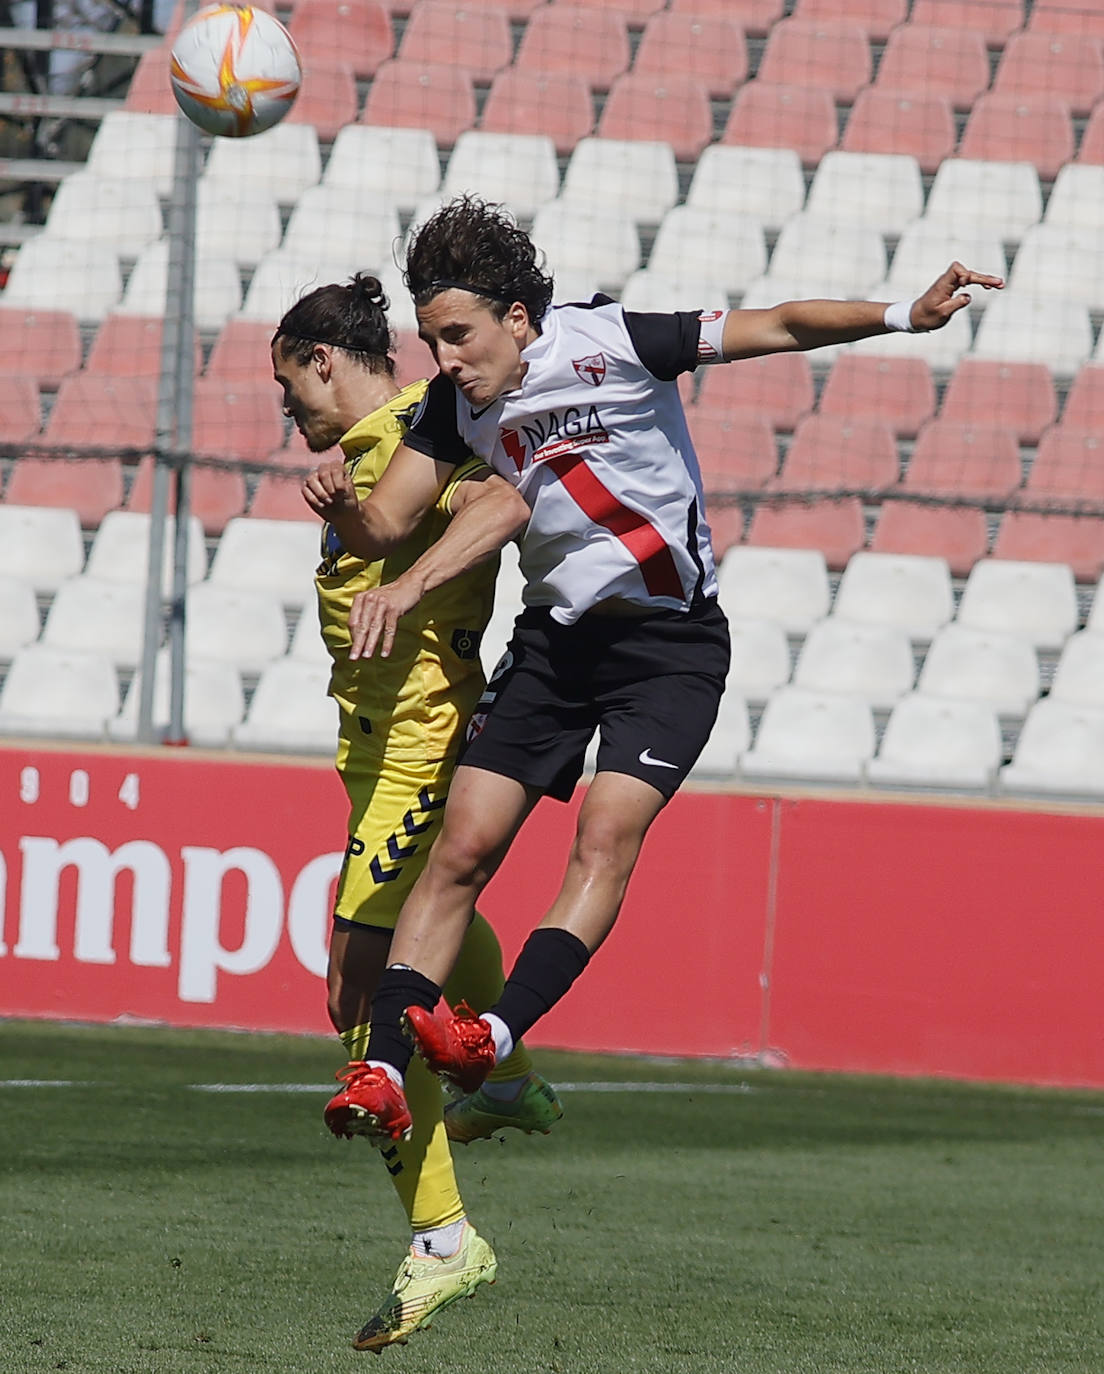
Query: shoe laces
(355, 1071)
(471, 1030)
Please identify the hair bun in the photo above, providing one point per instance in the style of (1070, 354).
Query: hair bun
(371, 288)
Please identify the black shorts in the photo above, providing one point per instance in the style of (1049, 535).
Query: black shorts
(650, 685)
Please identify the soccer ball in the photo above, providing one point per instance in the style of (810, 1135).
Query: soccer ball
(235, 70)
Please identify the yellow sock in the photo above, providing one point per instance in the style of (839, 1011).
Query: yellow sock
(477, 979)
(421, 1167)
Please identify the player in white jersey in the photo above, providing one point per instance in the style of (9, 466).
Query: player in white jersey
(578, 407)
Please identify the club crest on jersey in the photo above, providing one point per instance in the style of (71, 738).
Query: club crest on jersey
(591, 369)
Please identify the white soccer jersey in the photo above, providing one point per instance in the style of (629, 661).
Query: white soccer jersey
(596, 440)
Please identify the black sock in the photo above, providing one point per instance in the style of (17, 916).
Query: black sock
(550, 961)
(399, 987)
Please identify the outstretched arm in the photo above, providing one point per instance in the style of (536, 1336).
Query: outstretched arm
(799, 325)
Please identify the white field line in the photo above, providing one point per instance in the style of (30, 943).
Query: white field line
(627, 1087)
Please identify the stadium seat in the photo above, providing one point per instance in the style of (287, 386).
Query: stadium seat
(1067, 472)
(784, 585)
(1075, 540)
(58, 693)
(88, 486)
(911, 124)
(19, 623)
(1021, 394)
(1084, 407)
(730, 250)
(555, 105)
(640, 178)
(278, 496)
(92, 615)
(713, 47)
(998, 669)
(131, 145)
(1075, 198)
(898, 392)
(939, 743)
(81, 276)
(995, 20)
(109, 412)
(824, 257)
(122, 213)
(760, 659)
(245, 628)
(290, 711)
(881, 191)
(1060, 752)
(1091, 148)
(1016, 128)
(833, 526)
(991, 197)
(783, 115)
(777, 387)
(307, 644)
(590, 43)
(958, 536)
(652, 289)
(1068, 466)
(217, 287)
(130, 346)
(236, 220)
(764, 184)
(1036, 601)
(1035, 329)
(830, 55)
(120, 550)
(357, 32)
(354, 224)
(836, 453)
(476, 39)
(940, 63)
(282, 277)
(754, 16)
(241, 352)
(397, 165)
(284, 160)
(877, 17)
(673, 108)
(1078, 20)
(927, 248)
(413, 360)
(20, 408)
(907, 593)
(437, 96)
(1059, 263)
(149, 91)
(213, 702)
(517, 170)
(580, 238)
(735, 449)
(730, 736)
(1080, 670)
(327, 99)
(43, 344)
(636, 12)
(236, 419)
(975, 461)
(1035, 64)
(40, 545)
(273, 556)
(816, 736)
(872, 663)
(215, 497)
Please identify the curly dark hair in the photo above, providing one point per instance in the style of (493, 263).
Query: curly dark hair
(477, 247)
(348, 315)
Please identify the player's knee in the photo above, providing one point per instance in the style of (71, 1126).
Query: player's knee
(605, 843)
(462, 858)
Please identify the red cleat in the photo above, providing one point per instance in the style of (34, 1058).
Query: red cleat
(369, 1104)
(458, 1045)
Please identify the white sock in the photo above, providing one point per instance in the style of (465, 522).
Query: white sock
(503, 1040)
(392, 1073)
(440, 1241)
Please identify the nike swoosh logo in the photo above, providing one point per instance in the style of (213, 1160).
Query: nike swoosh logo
(646, 757)
(478, 414)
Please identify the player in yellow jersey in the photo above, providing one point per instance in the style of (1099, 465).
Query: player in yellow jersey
(401, 724)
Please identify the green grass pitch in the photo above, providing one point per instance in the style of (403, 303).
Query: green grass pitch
(716, 1220)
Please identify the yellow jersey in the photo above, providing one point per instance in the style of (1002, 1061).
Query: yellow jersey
(413, 706)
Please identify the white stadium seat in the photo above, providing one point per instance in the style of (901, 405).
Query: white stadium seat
(815, 736)
(789, 586)
(639, 177)
(1036, 601)
(1020, 328)
(934, 742)
(586, 239)
(760, 659)
(998, 670)
(353, 225)
(1076, 197)
(41, 545)
(908, 591)
(19, 623)
(277, 557)
(399, 166)
(217, 287)
(92, 615)
(122, 213)
(728, 740)
(509, 586)
(1060, 751)
(285, 160)
(236, 221)
(941, 349)
(213, 702)
(652, 289)
(282, 277)
(120, 550)
(821, 256)
(727, 249)
(1056, 261)
(79, 275)
(880, 191)
(516, 170)
(873, 663)
(927, 248)
(290, 711)
(58, 693)
(307, 645)
(764, 184)
(989, 197)
(1079, 676)
(245, 628)
(129, 144)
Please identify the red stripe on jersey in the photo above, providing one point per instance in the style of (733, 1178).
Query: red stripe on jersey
(638, 534)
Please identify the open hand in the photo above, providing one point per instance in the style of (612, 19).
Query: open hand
(374, 616)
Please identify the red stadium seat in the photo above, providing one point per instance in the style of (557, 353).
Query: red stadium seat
(242, 353)
(477, 40)
(834, 453)
(778, 387)
(948, 62)
(517, 10)
(20, 408)
(1092, 140)
(980, 462)
(1077, 540)
(357, 32)
(90, 486)
(885, 121)
(1077, 18)
(754, 16)
(1046, 64)
(1084, 408)
(593, 44)
(216, 496)
(103, 412)
(726, 526)
(1022, 394)
(327, 98)
(1011, 128)
(959, 535)
(130, 346)
(1068, 467)
(436, 96)
(45, 344)
(833, 56)
(278, 496)
(1066, 472)
(635, 11)
(771, 116)
(672, 109)
(712, 47)
(835, 527)
(877, 17)
(993, 19)
(413, 360)
(149, 91)
(898, 392)
(236, 419)
(735, 449)
(556, 104)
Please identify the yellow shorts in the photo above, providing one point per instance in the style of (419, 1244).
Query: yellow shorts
(395, 816)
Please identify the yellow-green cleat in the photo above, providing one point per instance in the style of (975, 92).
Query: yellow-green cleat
(424, 1286)
(479, 1116)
